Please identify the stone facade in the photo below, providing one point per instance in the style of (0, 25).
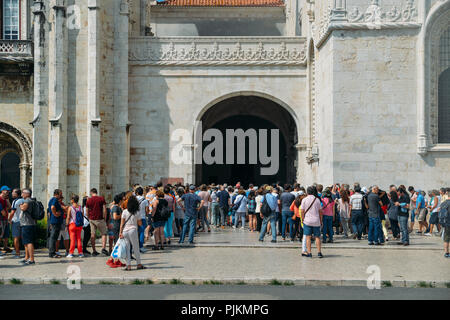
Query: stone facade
(114, 79)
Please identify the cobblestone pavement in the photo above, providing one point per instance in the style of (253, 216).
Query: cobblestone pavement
(231, 256)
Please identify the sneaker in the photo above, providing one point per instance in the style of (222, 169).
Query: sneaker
(447, 255)
(377, 243)
(304, 254)
(234, 227)
(70, 256)
(427, 234)
(104, 252)
(29, 263)
(86, 253)
(23, 261)
(354, 236)
(308, 255)
(261, 240)
(320, 255)
(371, 243)
(95, 253)
(406, 244)
(143, 250)
(273, 241)
(81, 256)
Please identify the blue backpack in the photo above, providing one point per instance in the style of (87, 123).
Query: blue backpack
(79, 219)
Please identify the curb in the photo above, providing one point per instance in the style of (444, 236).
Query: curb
(252, 281)
(290, 246)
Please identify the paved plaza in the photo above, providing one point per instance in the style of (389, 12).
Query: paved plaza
(236, 256)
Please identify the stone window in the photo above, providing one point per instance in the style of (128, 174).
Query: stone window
(10, 20)
(444, 89)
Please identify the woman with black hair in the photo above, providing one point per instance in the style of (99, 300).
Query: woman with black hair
(393, 214)
(159, 220)
(129, 231)
(86, 228)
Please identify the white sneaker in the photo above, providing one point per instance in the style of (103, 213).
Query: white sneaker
(234, 227)
(69, 256)
(242, 228)
(427, 234)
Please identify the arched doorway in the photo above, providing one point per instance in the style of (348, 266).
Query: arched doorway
(250, 112)
(15, 157)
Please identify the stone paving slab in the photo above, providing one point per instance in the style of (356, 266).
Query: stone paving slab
(340, 267)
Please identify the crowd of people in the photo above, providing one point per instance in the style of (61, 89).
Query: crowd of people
(160, 213)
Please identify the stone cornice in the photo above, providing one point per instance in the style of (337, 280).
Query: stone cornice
(218, 51)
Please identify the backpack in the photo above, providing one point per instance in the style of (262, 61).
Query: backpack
(165, 212)
(265, 208)
(237, 205)
(38, 211)
(444, 214)
(79, 218)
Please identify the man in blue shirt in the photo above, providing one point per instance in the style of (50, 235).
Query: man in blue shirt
(55, 220)
(272, 201)
(224, 203)
(191, 204)
(421, 212)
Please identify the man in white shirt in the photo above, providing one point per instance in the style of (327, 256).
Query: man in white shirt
(143, 211)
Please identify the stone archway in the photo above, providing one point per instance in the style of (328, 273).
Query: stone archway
(250, 111)
(14, 142)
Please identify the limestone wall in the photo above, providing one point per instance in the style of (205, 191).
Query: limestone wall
(375, 119)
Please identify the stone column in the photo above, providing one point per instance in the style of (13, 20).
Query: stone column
(292, 18)
(24, 171)
(121, 167)
(39, 123)
(93, 116)
(57, 150)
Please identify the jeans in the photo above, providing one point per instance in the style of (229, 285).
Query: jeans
(357, 222)
(327, 228)
(395, 228)
(403, 222)
(55, 229)
(168, 230)
(374, 229)
(179, 225)
(223, 214)
(141, 231)
(189, 222)
(204, 217)
(279, 220)
(215, 214)
(239, 215)
(286, 218)
(273, 225)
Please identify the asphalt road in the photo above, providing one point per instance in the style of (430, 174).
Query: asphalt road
(216, 292)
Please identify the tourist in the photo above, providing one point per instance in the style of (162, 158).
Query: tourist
(444, 219)
(142, 216)
(271, 197)
(28, 226)
(215, 208)
(373, 204)
(421, 212)
(297, 226)
(160, 204)
(433, 207)
(168, 227)
(356, 212)
(224, 204)
(191, 203)
(240, 204)
(258, 199)
(413, 197)
(129, 231)
(344, 210)
(251, 209)
(74, 229)
(86, 228)
(56, 211)
(115, 221)
(14, 220)
(393, 214)
(403, 214)
(312, 218)
(64, 233)
(203, 213)
(179, 212)
(329, 216)
(286, 199)
(4, 201)
(96, 209)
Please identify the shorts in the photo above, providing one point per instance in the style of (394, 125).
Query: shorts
(413, 216)
(447, 234)
(98, 225)
(434, 218)
(251, 213)
(64, 233)
(28, 234)
(110, 230)
(307, 231)
(159, 224)
(422, 215)
(6, 231)
(15, 229)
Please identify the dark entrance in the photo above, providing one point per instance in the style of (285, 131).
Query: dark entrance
(250, 112)
(9, 170)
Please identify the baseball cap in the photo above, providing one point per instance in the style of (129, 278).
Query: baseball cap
(5, 188)
(192, 187)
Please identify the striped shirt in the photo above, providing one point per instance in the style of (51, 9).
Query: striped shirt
(356, 201)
